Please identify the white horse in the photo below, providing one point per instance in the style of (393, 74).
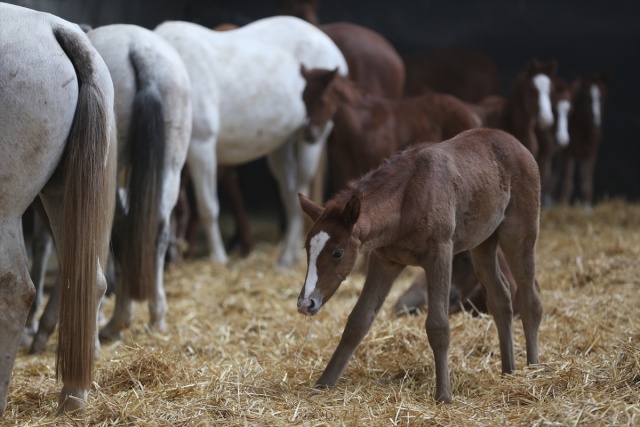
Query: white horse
(58, 141)
(247, 101)
(153, 116)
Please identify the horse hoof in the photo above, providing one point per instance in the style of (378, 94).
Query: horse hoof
(108, 334)
(71, 400)
(38, 345)
(158, 326)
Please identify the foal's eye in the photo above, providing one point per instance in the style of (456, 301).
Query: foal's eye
(337, 254)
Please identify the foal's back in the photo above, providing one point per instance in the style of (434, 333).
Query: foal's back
(466, 185)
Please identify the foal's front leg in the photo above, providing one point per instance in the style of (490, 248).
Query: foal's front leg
(437, 266)
(380, 277)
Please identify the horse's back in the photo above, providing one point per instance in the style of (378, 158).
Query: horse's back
(156, 62)
(373, 62)
(39, 94)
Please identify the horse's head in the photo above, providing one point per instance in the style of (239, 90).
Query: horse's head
(331, 248)
(303, 9)
(538, 91)
(561, 98)
(318, 100)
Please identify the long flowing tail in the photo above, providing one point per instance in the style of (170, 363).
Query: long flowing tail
(85, 215)
(147, 145)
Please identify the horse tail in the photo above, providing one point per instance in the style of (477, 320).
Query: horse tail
(147, 144)
(86, 222)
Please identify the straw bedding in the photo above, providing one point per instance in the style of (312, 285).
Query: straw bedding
(237, 353)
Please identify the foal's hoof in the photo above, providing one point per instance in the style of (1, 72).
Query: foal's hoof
(444, 399)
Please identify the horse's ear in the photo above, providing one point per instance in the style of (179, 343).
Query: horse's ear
(533, 66)
(329, 76)
(351, 211)
(304, 71)
(312, 209)
(552, 67)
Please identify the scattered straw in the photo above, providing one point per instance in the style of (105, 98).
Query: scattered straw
(238, 353)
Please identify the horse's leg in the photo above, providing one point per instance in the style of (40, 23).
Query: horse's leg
(587, 167)
(229, 181)
(122, 315)
(414, 298)
(41, 246)
(202, 161)
(16, 295)
(294, 165)
(567, 165)
(437, 266)
(48, 321)
(518, 241)
(485, 264)
(380, 277)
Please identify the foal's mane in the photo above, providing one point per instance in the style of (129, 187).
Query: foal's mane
(348, 91)
(388, 178)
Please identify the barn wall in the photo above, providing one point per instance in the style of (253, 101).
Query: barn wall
(583, 35)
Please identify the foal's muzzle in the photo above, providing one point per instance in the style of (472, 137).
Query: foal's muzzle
(309, 306)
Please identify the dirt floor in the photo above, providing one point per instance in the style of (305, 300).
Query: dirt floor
(238, 353)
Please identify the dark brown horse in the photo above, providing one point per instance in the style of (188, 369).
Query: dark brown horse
(466, 74)
(528, 105)
(467, 293)
(473, 192)
(585, 130)
(368, 128)
(551, 140)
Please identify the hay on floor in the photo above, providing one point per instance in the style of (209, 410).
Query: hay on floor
(237, 352)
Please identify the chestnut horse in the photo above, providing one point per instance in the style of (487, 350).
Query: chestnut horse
(368, 128)
(467, 293)
(551, 140)
(585, 130)
(527, 106)
(57, 141)
(472, 192)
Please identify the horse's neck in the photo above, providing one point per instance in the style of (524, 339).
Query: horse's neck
(516, 119)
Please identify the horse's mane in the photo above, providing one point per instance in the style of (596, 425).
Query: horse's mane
(349, 91)
(386, 176)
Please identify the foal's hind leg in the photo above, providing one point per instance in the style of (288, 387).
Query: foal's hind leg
(485, 264)
(16, 294)
(518, 240)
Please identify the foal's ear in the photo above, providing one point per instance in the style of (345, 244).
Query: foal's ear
(312, 209)
(351, 211)
(329, 76)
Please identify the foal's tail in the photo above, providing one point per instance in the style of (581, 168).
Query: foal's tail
(86, 214)
(147, 145)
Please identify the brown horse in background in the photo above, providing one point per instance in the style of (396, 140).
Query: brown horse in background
(474, 192)
(466, 74)
(528, 105)
(585, 130)
(368, 128)
(551, 140)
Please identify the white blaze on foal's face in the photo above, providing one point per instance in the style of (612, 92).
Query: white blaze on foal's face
(542, 82)
(595, 104)
(316, 244)
(562, 133)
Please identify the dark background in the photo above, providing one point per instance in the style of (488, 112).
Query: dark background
(583, 35)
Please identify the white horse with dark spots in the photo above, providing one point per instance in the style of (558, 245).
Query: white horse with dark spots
(153, 116)
(57, 141)
(247, 102)
(472, 192)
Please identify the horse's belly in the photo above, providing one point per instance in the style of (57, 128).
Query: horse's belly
(244, 146)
